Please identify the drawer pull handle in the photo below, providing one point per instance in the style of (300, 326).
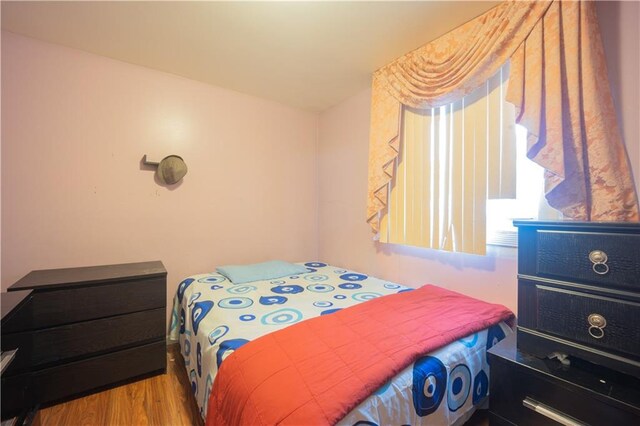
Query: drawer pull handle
(600, 268)
(599, 260)
(597, 320)
(596, 332)
(550, 413)
(597, 323)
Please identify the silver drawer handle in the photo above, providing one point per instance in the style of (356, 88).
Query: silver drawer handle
(599, 260)
(600, 268)
(551, 413)
(596, 332)
(597, 323)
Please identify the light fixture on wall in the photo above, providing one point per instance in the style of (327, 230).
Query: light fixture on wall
(170, 170)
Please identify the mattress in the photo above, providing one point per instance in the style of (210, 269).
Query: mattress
(212, 317)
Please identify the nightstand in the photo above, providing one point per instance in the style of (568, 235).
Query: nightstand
(84, 329)
(525, 390)
(579, 291)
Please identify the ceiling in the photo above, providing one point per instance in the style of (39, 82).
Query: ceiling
(309, 55)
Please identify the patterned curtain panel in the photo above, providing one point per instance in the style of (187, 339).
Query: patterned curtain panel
(558, 89)
(452, 159)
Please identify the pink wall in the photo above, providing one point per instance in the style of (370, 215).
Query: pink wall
(345, 238)
(74, 128)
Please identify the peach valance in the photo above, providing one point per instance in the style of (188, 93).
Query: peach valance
(558, 85)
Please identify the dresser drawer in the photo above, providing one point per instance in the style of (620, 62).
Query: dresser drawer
(606, 259)
(52, 307)
(516, 390)
(54, 384)
(40, 348)
(64, 381)
(602, 322)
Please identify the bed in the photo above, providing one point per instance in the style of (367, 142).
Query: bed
(212, 317)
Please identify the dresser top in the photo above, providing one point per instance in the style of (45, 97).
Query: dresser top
(68, 277)
(575, 225)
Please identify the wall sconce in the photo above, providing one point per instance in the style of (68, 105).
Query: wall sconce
(170, 170)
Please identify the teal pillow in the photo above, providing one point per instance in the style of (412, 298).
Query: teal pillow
(240, 274)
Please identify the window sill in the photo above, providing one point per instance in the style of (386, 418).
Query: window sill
(503, 239)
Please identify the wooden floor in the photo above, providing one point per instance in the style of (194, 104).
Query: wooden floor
(159, 400)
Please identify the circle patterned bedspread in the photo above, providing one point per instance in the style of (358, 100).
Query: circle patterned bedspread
(212, 317)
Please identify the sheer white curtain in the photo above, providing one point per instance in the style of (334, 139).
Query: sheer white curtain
(452, 159)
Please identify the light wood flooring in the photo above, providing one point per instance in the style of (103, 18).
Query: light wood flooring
(160, 400)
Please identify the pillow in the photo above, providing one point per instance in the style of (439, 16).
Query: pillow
(240, 274)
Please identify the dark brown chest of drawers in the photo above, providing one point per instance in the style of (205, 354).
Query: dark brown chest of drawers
(579, 291)
(83, 329)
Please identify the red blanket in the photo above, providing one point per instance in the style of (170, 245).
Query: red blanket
(316, 371)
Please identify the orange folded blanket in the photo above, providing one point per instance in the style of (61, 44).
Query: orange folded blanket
(316, 371)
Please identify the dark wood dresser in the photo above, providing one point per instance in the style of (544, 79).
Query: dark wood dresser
(83, 329)
(579, 291)
(579, 296)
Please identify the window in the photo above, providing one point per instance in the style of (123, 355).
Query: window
(528, 204)
(452, 159)
(462, 175)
